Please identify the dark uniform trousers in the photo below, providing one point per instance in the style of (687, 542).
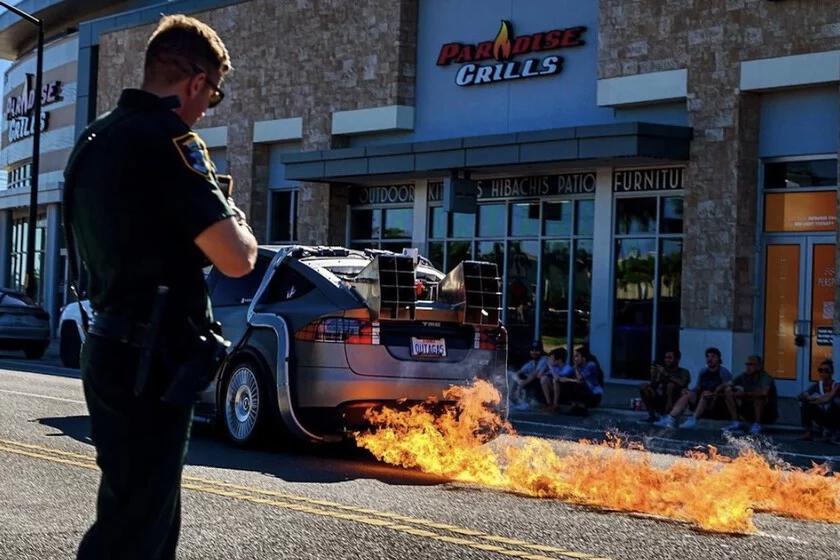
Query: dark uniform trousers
(141, 445)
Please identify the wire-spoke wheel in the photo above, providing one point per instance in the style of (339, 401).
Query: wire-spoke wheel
(243, 403)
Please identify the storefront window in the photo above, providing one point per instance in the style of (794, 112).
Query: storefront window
(17, 260)
(543, 248)
(796, 174)
(648, 269)
(525, 219)
(491, 220)
(522, 267)
(282, 225)
(450, 238)
(381, 228)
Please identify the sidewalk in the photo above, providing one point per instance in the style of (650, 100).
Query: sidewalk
(779, 440)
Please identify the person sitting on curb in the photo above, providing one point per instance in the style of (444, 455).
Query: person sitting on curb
(558, 372)
(586, 389)
(752, 396)
(528, 374)
(704, 396)
(666, 385)
(820, 404)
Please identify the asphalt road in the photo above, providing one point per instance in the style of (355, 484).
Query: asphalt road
(309, 503)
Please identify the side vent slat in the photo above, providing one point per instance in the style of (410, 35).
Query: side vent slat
(475, 290)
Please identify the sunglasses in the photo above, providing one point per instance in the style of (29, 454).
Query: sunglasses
(217, 95)
(824, 370)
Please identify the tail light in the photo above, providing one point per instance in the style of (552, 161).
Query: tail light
(340, 330)
(491, 339)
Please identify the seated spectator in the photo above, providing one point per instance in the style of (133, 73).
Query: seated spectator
(666, 385)
(586, 388)
(705, 396)
(820, 404)
(558, 370)
(528, 376)
(752, 396)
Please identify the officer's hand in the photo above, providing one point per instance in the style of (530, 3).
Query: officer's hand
(240, 215)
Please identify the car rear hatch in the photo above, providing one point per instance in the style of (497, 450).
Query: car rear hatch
(401, 337)
(19, 311)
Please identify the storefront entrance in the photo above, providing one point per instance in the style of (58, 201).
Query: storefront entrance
(798, 308)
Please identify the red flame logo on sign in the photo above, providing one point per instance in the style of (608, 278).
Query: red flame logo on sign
(502, 46)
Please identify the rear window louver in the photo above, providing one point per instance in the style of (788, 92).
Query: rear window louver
(387, 285)
(474, 289)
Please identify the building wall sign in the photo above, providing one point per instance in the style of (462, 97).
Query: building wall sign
(502, 51)
(526, 187)
(19, 108)
(644, 180)
(391, 194)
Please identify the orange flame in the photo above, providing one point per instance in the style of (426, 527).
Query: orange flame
(502, 45)
(713, 492)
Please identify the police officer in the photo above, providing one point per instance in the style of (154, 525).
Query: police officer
(145, 210)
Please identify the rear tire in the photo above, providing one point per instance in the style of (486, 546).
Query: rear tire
(70, 345)
(35, 351)
(245, 404)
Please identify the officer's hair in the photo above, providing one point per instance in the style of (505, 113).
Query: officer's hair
(178, 46)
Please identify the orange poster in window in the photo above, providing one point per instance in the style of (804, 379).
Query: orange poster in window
(822, 305)
(781, 310)
(805, 211)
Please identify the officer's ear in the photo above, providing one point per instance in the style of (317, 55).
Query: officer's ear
(196, 84)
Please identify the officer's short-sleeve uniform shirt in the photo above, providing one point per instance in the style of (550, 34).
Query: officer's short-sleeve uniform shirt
(144, 189)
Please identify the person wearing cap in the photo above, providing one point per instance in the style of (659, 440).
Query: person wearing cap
(706, 395)
(528, 375)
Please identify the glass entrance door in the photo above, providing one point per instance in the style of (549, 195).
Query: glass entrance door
(798, 309)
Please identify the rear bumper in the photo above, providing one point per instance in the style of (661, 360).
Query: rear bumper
(335, 400)
(15, 336)
(334, 387)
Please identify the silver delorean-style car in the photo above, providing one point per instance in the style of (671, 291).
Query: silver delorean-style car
(322, 334)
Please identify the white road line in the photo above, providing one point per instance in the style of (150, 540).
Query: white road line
(831, 458)
(41, 396)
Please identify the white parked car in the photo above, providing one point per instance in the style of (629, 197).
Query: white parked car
(70, 333)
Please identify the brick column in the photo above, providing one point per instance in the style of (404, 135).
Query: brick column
(720, 216)
(258, 215)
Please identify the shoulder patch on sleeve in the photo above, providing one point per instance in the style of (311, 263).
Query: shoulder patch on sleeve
(194, 153)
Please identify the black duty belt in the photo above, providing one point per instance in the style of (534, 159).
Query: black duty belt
(119, 329)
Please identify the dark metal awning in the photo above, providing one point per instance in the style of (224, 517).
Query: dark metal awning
(574, 147)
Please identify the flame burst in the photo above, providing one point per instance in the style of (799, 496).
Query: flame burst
(713, 492)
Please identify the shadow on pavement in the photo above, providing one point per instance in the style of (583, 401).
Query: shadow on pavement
(293, 462)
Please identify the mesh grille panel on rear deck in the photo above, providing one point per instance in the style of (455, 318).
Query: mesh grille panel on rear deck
(396, 282)
(483, 293)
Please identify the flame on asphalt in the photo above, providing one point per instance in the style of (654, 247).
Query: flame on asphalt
(706, 489)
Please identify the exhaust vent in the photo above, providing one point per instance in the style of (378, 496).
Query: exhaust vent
(475, 290)
(387, 287)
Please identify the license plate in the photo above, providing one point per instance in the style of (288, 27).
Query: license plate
(428, 348)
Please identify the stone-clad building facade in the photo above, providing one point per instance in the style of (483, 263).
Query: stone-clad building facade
(644, 36)
(292, 60)
(651, 175)
(737, 54)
